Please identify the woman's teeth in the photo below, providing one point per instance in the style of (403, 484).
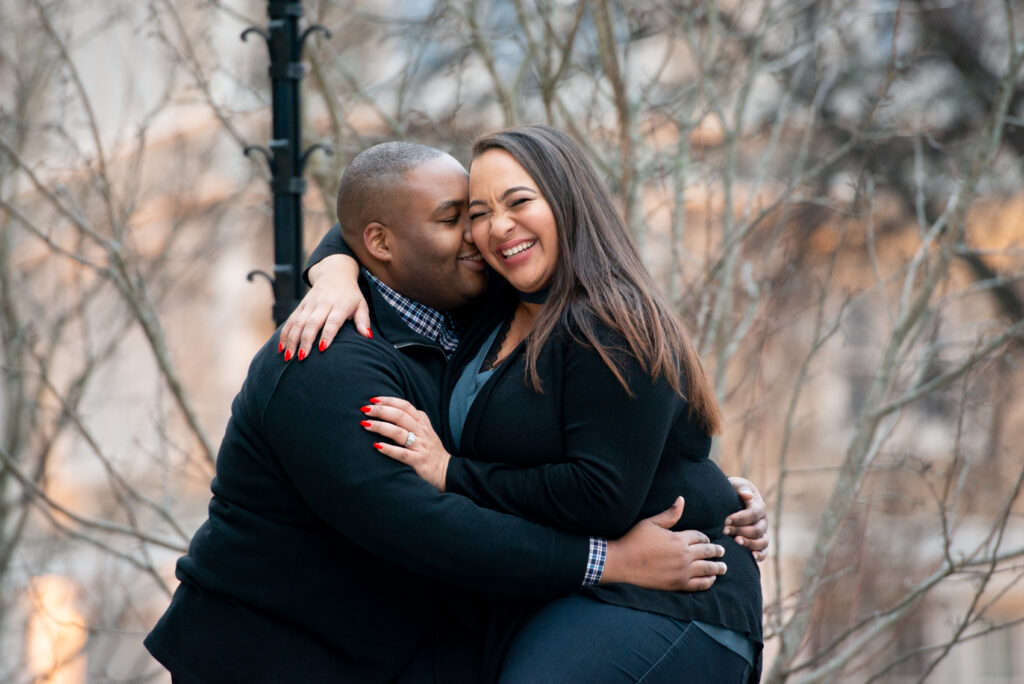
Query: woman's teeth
(521, 247)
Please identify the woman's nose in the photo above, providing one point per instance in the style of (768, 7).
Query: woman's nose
(502, 224)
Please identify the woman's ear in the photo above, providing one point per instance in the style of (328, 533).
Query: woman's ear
(376, 240)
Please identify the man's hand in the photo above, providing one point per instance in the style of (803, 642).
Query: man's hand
(652, 556)
(749, 527)
(334, 298)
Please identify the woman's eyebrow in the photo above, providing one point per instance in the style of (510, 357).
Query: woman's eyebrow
(516, 188)
(505, 194)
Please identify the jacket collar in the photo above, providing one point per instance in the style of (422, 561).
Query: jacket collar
(386, 321)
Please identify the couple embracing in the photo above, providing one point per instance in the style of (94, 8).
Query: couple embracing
(484, 478)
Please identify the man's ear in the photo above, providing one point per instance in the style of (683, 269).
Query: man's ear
(376, 239)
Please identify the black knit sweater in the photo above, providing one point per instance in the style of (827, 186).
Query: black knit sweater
(587, 457)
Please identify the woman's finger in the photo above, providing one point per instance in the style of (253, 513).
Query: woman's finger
(361, 318)
(292, 329)
(335, 319)
(398, 453)
(423, 418)
(285, 329)
(331, 316)
(396, 434)
(393, 415)
(309, 331)
(395, 402)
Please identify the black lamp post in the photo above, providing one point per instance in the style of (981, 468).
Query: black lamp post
(285, 154)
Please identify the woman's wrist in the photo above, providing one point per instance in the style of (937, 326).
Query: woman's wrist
(340, 266)
(443, 484)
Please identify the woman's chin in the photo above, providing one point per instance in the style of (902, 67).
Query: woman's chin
(519, 279)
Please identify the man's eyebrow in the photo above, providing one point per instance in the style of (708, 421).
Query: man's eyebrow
(449, 204)
(504, 194)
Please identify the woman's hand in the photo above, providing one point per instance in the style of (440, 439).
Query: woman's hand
(334, 298)
(404, 424)
(651, 555)
(750, 526)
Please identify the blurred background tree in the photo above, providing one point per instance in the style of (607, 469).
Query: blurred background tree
(831, 192)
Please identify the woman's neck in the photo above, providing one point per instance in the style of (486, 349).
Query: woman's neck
(538, 297)
(529, 311)
(523, 319)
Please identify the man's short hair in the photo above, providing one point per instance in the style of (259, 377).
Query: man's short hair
(371, 183)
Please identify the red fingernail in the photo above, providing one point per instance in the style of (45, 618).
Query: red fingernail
(369, 333)
(377, 445)
(288, 355)
(302, 354)
(323, 345)
(365, 409)
(365, 423)
(374, 400)
(280, 347)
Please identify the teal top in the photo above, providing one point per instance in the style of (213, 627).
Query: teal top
(468, 387)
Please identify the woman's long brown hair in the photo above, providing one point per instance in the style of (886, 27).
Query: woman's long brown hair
(599, 275)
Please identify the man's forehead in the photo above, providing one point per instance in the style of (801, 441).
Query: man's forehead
(434, 198)
(438, 187)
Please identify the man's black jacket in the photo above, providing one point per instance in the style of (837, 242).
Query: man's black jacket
(320, 556)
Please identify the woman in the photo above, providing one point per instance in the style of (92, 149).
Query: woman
(576, 400)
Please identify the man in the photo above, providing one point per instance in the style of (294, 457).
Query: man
(321, 559)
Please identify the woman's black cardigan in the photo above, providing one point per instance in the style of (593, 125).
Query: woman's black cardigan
(586, 457)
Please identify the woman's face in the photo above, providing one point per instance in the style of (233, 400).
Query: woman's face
(511, 222)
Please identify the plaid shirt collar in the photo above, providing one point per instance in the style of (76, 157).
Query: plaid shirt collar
(433, 324)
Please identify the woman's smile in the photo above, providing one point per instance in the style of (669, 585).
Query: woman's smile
(517, 248)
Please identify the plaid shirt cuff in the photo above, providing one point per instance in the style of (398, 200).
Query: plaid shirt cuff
(595, 561)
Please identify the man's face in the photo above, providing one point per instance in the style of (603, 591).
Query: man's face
(433, 259)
